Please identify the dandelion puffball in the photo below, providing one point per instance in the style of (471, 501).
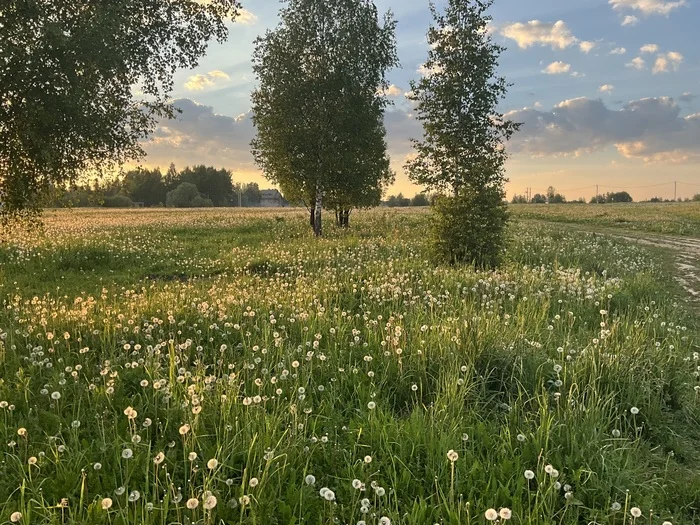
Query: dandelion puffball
(491, 515)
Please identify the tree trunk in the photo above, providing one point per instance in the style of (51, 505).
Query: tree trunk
(345, 218)
(318, 229)
(312, 212)
(338, 217)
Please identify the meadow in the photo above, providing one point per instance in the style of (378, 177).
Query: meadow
(225, 367)
(677, 218)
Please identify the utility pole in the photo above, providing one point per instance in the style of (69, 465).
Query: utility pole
(597, 200)
(675, 189)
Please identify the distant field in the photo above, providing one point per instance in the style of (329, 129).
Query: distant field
(671, 218)
(223, 366)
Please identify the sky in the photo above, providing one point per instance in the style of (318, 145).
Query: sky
(608, 92)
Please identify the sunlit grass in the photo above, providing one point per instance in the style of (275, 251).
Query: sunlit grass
(225, 367)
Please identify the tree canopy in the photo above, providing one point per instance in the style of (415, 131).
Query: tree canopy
(319, 106)
(68, 72)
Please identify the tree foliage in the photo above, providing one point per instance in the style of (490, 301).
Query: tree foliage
(319, 106)
(67, 72)
(186, 195)
(462, 149)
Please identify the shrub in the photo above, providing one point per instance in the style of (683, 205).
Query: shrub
(118, 201)
(470, 227)
(186, 195)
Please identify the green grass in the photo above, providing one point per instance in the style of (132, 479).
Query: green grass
(669, 218)
(287, 357)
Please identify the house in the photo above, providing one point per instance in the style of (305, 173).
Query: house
(271, 199)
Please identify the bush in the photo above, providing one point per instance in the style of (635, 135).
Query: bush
(186, 195)
(470, 227)
(118, 201)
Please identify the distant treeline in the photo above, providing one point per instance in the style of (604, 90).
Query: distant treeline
(399, 201)
(192, 187)
(552, 197)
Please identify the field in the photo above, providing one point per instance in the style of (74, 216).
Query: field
(223, 367)
(671, 218)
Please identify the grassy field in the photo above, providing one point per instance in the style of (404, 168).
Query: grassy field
(223, 367)
(671, 218)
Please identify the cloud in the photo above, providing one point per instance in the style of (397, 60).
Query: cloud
(606, 88)
(198, 135)
(586, 47)
(577, 74)
(426, 72)
(245, 17)
(648, 7)
(392, 91)
(637, 63)
(618, 51)
(665, 63)
(200, 82)
(649, 48)
(687, 97)
(649, 129)
(557, 68)
(630, 20)
(534, 32)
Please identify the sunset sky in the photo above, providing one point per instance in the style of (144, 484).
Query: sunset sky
(608, 91)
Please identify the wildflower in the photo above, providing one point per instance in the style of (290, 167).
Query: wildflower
(310, 479)
(192, 456)
(634, 411)
(209, 502)
(212, 463)
(616, 433)
(97, 466)
(505, 513)
(636, 512)
(244, 500)
(127, 453)
(465, 437)
(414, 387)
(327, 494)
(22, 432)
(616, 506)
(120, 491)
(106, 503)
(253, 482)
(55, 396)
(371, 405)
(452, 455)
(368, 459)
(379, 491)
(134, 495)
(384, 521)
(521, 438)
(15, 517)
(32, 460)
(356, 484)
(184, 429)
(130, 413)
(192, 503)
(491, 515)
(529, 474)
(159, 458)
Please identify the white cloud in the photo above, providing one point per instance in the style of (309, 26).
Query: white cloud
(665, 63)
(245, 17)
(426, 72)
(618, 51)
(649, 129)
(586, 47)
(534, 32)
(392, 91)
(630, 20)
(557, 68)
(606, 88)
(648, 7)
(687, 97)
(637, 63)
(649, 48)
(577, 74)
(200, 82)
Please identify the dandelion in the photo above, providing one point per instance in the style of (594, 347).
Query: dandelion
(130, 413)
(452, 455)
(127, 453)
(32, 460)
(636, 512)
(244, 500)
(491, 515)
(192, 456)
(22, 432)
(379, 491)
(615, 506)
(371, 405)
(634, 411)
(134, 496)
(55, 396)
(160, 457)
(368, 459)
(209, 502)
(15, 517)
(106, 503)
(356, 484)
(184, 429)
(616, 433)
(521, 438)
(192, 503)
(212, 463)
(529, 474)
(310, 479)
(414, 387)
(384, 521)
(97, 466)
(253, 482)
(505, 513)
